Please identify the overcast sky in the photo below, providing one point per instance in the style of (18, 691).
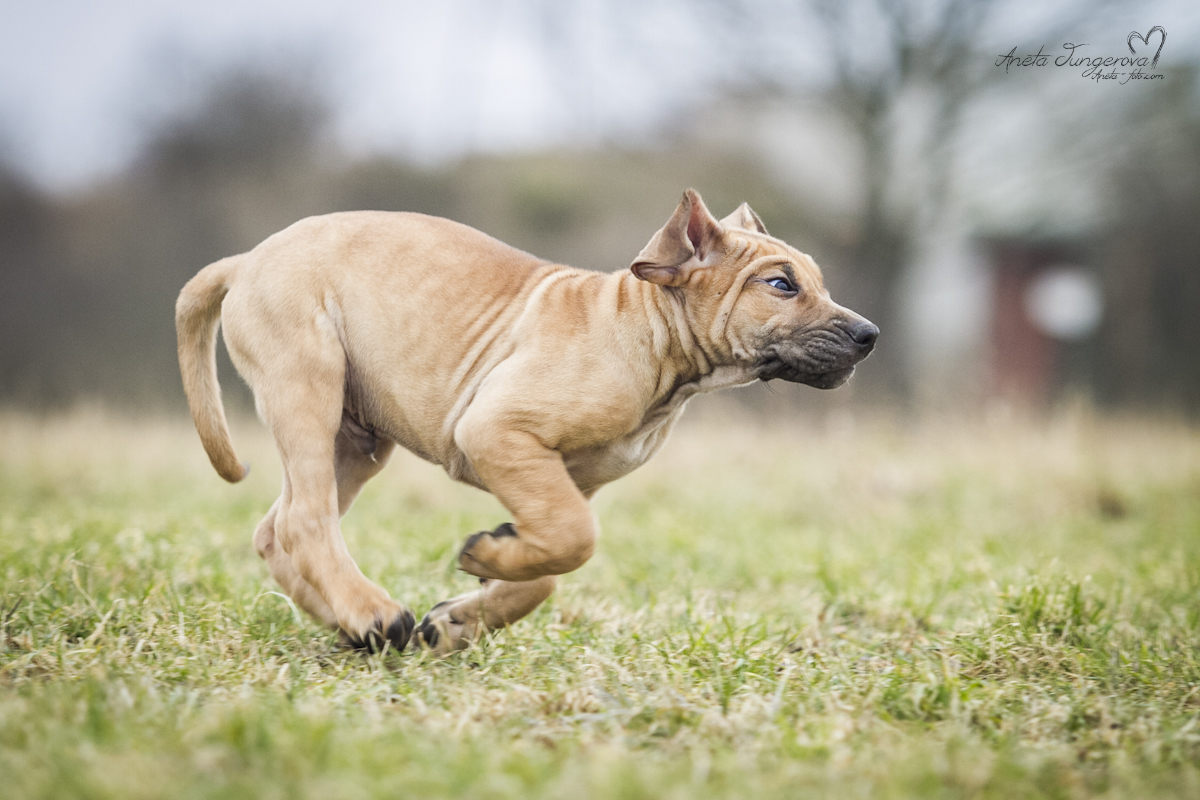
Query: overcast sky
(78, 79)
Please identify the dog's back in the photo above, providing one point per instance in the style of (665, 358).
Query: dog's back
(400, 294)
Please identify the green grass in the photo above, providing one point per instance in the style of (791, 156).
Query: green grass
(949, 609)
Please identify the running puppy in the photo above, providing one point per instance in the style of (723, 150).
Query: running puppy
(534, 381)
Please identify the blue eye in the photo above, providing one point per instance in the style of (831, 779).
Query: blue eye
(783, 284)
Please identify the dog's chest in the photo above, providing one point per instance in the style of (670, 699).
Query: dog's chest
(596, 466)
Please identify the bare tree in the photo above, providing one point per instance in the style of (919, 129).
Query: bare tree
(1152, 252)
(872, 58)
(901, 73)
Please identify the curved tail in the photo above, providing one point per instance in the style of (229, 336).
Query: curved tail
(197, 317)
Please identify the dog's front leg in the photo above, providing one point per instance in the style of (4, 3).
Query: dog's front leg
(553, 530)
(453, 624)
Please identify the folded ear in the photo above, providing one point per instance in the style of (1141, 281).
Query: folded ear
(745, 218)
(688, 235)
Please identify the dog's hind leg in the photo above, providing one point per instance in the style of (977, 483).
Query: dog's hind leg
(301, 399)
(280, 564)
(453, 624)
(353, 469)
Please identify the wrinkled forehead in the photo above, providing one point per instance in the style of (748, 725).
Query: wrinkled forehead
(755, 246)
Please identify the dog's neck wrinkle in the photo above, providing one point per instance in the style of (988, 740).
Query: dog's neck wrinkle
(684, 344)
(670, 340)
(694, 337)
(682, 357)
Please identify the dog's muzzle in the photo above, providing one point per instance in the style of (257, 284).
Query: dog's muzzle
(823, 358)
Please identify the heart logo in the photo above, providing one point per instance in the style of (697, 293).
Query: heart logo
(1146, 40)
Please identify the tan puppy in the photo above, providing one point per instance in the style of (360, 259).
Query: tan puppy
(534, 381)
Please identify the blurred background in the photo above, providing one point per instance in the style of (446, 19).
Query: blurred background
(1022, 234)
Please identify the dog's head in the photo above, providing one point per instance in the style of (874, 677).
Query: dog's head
(752, 298)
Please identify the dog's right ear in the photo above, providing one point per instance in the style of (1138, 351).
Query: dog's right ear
(688, 236)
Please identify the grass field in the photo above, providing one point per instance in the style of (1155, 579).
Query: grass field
(826, 608)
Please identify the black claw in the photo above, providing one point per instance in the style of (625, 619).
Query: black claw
(427, 632)
(472, 539)
(400, 631)
(398, 634)
(503, 530)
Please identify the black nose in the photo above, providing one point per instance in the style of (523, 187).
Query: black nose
(862, 333)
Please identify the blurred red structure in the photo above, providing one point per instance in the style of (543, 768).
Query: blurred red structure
(1024, 360)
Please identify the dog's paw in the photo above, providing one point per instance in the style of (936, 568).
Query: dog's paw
(480, 550)
(450, 625)
(397, 632)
